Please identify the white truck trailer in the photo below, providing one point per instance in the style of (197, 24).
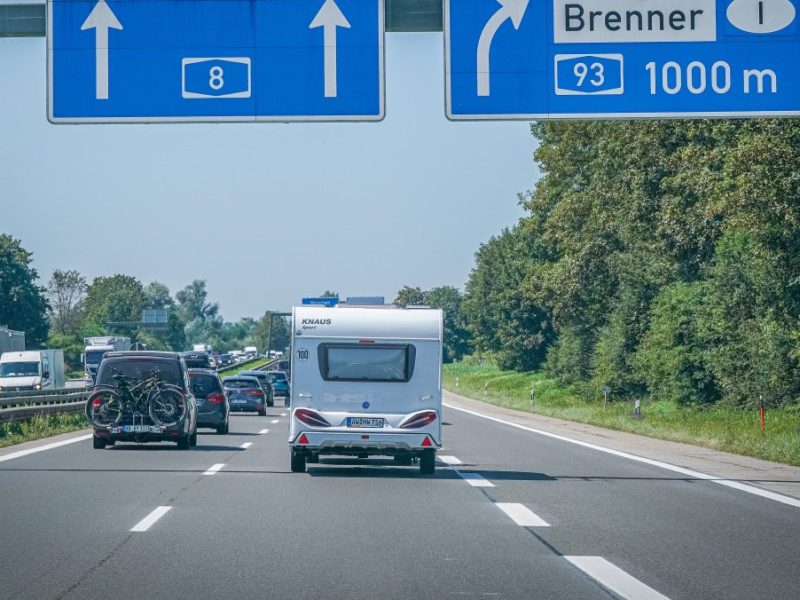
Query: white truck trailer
(366, 382)
(95, 348)
(32, 370)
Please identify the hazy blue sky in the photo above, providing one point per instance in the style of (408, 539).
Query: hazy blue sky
(356, 208)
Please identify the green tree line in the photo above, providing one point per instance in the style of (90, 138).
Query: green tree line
(655, 257)
(69, 307)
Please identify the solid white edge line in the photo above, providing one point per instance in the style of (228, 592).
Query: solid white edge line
(449, 460)
(521, 514)
(474, 479)
(148, 521)
(615, 579)
(21, 453)
(214, 468)
(246, 445)
(263, 431)
(656, 463)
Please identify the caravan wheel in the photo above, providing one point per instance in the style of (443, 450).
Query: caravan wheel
(427, 462)
(298, 462)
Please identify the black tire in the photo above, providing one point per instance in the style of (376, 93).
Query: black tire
(98, 443)
(184, 442)
(403, 459)
(193, 439)
(222, 429)
(167, 407)
(110, 443)
(108, 410)
(427, 462)
(298, 462)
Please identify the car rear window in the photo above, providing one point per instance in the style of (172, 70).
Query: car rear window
(140, 368)
(203, 384)
(279, 376)
(240, 384)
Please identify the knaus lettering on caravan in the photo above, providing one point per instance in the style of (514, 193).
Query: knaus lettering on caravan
(366, 382)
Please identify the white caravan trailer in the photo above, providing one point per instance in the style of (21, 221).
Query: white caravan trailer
(365, 382)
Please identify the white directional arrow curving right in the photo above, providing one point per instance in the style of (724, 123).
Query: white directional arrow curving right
(329, 18)
(101, 19)
(509, 9)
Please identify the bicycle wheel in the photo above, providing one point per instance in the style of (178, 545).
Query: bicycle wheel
(104, 408)
(167, 407)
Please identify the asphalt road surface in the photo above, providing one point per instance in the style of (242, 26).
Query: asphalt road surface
(508, 514)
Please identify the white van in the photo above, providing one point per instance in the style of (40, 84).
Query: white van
(366, 382)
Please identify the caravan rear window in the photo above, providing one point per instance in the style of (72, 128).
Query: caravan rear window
(361, 362)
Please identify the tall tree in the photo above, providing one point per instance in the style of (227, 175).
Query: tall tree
(118, 298)
(409, 296)
(23, 305)
(456, 334)
(65, 292)
(192, 301)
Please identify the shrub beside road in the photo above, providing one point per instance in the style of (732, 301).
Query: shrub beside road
(721, 428)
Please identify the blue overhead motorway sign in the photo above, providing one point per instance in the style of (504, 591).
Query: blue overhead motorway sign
(215, 60)
(322, 301)
(550, 59)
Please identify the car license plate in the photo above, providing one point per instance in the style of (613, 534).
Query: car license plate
(136, 429)
(238, 401)
(373, 422)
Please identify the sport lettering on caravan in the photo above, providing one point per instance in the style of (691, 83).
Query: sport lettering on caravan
(577, 21)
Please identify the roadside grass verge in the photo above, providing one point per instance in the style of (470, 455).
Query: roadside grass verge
(721, 428)
(40, 427)
(244, 366)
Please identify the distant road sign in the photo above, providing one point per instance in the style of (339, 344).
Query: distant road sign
(215, 60)
(540, 59)
(321, 301)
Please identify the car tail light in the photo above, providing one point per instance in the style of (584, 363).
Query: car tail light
(216, 398)
(96, 403)
(255, 392)
(419, 420)
(309, 417)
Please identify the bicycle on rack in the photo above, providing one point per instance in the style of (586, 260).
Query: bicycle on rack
(163, 402)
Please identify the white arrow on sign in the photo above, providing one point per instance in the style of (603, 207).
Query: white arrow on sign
(101, 19)
(509, 9)
(329, 18)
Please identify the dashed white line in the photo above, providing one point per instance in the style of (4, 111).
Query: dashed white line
(522, 515)
(275, 421)
(475, 480)
(614, 579)
(263, 431)
(450, 460)
(214, 468)
(648, 461)
(148, 521)
(21, 453)
(246, 445)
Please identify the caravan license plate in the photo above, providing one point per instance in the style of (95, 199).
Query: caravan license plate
(364, 422)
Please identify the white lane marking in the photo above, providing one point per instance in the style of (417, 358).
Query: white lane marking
(263, 431)
(648, 461)
(275, 421)
(615, 579)
(214, 468)
(246, 445)
(148, 521)
(285, 414)
(21, 453)
(522, 515)
(475, 480)
(450, 460)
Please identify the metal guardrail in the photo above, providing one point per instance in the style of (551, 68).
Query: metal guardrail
(18, 406)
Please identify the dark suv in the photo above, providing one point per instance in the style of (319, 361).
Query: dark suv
(140, 428)
(213, 409)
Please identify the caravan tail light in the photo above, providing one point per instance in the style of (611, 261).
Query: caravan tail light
(419, 420)
(309, 417)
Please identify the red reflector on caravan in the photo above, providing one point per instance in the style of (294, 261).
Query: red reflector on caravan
(303, 439)
(427, 442)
